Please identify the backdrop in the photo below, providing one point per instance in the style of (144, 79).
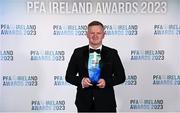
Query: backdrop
(37, 39)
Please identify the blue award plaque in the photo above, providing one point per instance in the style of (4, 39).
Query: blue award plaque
(94, 67)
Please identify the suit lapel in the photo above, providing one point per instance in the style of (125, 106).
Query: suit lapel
(86, 56)
(104, 56)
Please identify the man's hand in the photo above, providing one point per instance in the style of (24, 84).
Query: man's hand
(86, 82)
(101, 83)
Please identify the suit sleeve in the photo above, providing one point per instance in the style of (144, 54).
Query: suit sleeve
(72, 70)
(118, 75)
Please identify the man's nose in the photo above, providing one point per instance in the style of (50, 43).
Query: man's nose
(95, 35)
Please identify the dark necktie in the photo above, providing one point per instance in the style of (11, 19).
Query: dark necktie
(95, 50)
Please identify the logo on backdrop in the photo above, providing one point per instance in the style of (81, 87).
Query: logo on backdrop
(131, 80)
(147, 55)
(19, 80)
(60, 81)
(48, 105)
(146, 104)
(66, 30)
(47, 55)
(6, 55)
(18, 29)
(116, 30)
(170, 79)
(172, 29)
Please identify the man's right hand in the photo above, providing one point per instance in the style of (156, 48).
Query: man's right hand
(86, 82)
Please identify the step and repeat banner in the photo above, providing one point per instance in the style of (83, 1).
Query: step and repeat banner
(37, 39)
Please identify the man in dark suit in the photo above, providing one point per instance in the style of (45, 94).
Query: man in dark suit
(95, 69)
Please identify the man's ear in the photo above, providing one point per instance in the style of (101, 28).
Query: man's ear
(104, 34)
(87, 34)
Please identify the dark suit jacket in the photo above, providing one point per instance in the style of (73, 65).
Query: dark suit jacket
(112, 72)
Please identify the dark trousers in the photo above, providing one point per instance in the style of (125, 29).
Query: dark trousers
(93, 108)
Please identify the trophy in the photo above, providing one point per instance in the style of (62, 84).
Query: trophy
(94, 67)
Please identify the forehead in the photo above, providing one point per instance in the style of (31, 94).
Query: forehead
(95, 27)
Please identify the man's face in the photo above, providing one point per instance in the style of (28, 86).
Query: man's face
(95, 34)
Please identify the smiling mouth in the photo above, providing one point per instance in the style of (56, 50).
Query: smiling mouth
(95, 38)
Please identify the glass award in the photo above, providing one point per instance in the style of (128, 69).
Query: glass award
(94, 67)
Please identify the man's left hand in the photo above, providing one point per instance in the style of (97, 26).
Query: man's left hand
(101, 83)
